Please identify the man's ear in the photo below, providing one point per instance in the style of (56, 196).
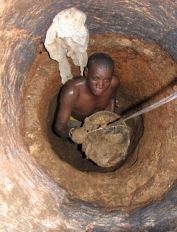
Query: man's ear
(86, 71)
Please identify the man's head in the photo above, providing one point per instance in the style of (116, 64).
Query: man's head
(99, 72)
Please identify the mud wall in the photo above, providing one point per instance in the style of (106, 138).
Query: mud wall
(32, 198)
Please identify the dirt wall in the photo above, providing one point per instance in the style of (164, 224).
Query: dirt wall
(141, 37)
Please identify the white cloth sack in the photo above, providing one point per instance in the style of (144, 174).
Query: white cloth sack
(68, 37)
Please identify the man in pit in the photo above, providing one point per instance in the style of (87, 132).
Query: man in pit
(84, 96)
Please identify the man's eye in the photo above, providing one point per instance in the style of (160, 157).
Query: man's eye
(107, 80)
(94, 78)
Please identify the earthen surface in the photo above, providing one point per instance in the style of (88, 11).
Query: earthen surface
(142, 41)
(131, 186)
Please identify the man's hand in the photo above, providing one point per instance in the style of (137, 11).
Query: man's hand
(78, 135)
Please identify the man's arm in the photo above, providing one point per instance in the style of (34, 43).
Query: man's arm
(112, 102)
(62, 130)
(111, 105)
(67, 99)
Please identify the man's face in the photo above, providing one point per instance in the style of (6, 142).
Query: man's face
(98, 79)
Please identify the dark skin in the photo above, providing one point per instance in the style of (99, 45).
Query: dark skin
(84, 96)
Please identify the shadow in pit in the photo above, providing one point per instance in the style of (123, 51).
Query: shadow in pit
(72, 154)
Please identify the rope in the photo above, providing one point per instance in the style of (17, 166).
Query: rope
(147, 109)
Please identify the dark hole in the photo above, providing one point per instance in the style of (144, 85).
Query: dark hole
(71, 152)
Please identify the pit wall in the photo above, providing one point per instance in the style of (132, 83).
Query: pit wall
(29, 195)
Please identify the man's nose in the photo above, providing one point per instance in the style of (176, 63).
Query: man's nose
(100, 85)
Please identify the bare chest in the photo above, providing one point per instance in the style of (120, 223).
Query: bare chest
(87, 105)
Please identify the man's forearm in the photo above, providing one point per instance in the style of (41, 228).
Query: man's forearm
(111, 105)
(62, 130)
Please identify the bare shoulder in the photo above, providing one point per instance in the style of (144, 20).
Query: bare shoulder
(76, 81)
(72, 87)
(115, 82)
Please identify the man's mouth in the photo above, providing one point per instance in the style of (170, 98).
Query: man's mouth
(98, 92)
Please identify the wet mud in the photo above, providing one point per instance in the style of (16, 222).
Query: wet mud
(106, 145)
